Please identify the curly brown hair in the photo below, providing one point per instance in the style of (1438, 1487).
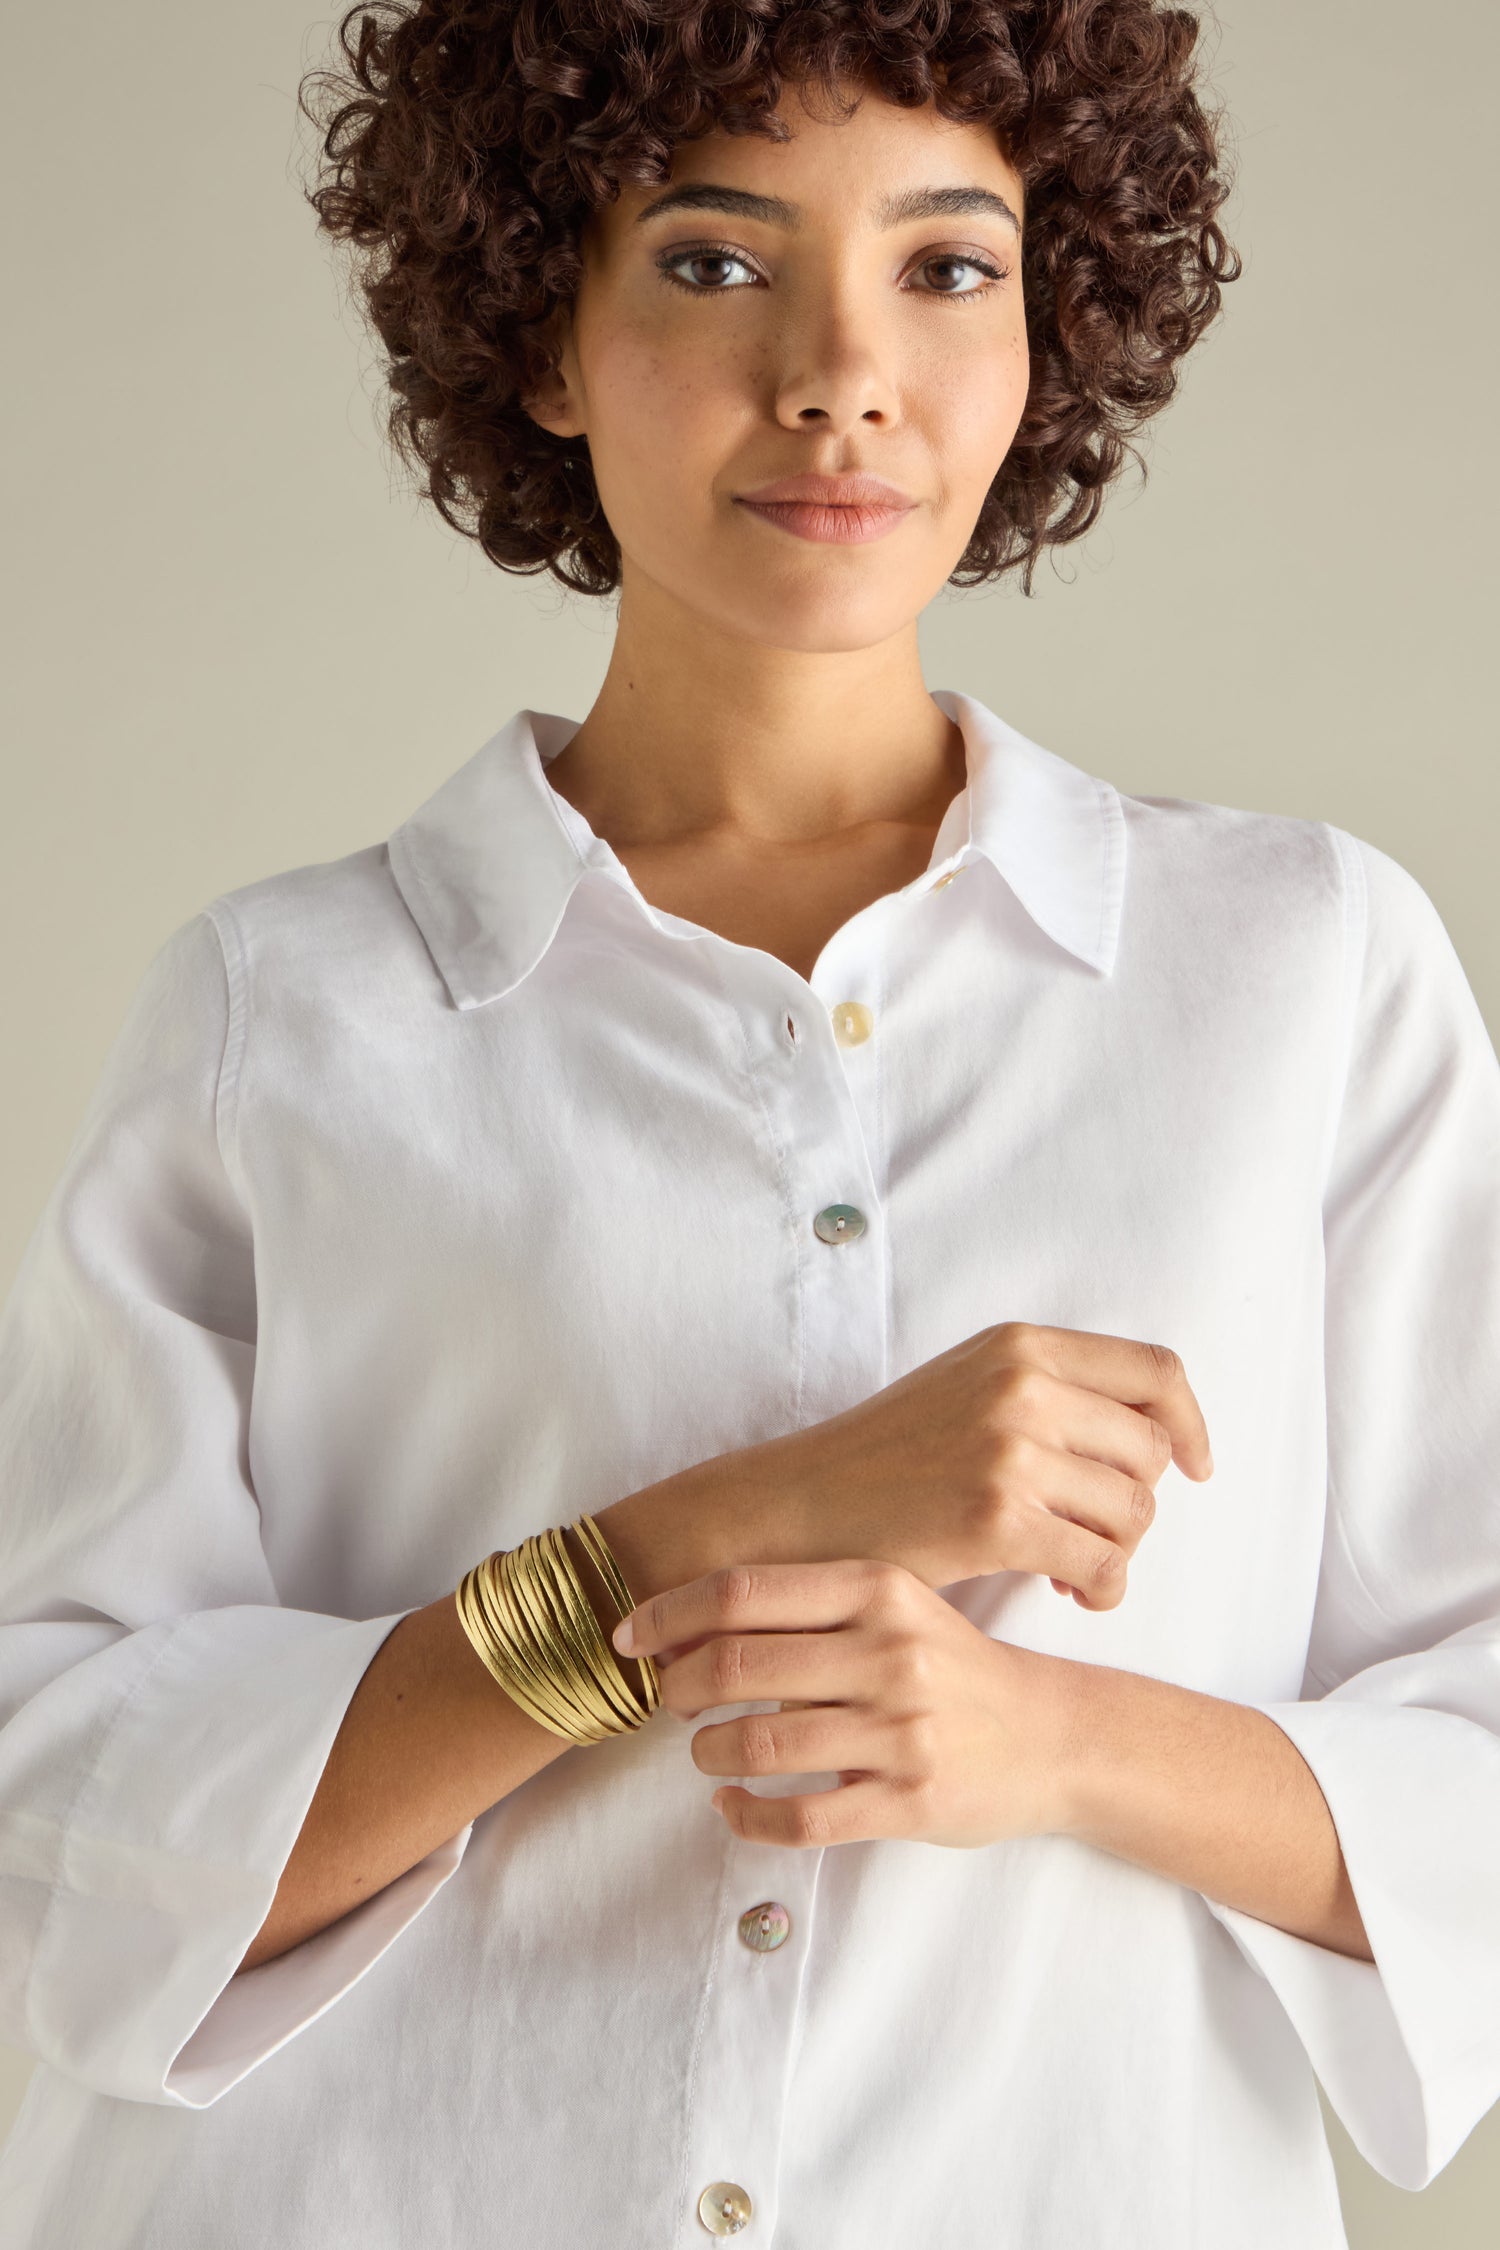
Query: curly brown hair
(464, 144)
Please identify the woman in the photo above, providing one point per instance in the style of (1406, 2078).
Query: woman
(834, 1168)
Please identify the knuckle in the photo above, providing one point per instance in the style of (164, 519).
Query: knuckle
(726, 1667)
(732, 1589)
(807, 1822)
(909, 1665)
(1164, 1363)
(1014, 1338)
(1013, 1460)
(918, 1795)
(1142, 1509)
(886, 1583)
(757, 1746)
(1018, 1389)
(1161, 1444)
(1106, 1577)
(656, 1614)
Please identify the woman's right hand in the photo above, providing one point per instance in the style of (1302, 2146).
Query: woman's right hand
(1021, 1448)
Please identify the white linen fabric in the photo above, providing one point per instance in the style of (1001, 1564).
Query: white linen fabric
(434, 1194)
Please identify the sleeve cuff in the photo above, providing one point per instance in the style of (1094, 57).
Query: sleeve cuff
(263, 2008)
(164, 1864)
(1407, 2047)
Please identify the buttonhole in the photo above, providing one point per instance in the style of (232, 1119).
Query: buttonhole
(791, 1031)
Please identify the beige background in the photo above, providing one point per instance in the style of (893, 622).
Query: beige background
(240, 645)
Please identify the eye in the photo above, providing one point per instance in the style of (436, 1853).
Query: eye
(946, 263)
(711, 258)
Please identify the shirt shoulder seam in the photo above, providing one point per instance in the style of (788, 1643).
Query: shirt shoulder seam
(1354, 894)
(225, 924)
(1112, 876)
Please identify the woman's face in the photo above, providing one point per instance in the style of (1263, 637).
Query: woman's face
(844, 304)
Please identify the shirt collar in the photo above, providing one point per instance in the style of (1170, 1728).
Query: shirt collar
(488, 863)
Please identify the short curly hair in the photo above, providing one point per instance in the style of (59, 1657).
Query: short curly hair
(464, 144)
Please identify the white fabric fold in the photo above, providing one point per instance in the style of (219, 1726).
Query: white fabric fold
(156, 1760)
(1405, 1641)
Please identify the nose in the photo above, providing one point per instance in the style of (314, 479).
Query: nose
(835, 377)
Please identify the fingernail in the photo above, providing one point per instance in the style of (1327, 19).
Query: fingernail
(623, 1635)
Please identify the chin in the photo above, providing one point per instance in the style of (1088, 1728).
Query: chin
(818, 621)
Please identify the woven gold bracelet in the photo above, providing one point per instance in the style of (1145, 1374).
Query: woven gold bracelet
(525, 1612)
(501, 1634)
(539, 1581)
(606, 1665)
(534, 1674)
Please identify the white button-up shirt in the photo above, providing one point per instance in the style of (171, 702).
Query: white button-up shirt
(437, 1193)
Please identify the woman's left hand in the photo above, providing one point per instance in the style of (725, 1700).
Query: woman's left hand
(937, 1732)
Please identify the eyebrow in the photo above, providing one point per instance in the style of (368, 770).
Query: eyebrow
(774, 211)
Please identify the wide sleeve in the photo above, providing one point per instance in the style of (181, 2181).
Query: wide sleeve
(164, 1718)
(1402, 1722)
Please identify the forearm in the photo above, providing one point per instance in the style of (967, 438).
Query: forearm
(430, 1739)
(1208, 1792)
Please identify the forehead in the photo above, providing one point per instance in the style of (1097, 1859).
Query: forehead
(857, 164)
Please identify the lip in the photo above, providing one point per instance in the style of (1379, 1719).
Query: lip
(830, 509)
(856, 490)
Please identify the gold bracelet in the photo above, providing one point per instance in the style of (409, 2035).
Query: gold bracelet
(525, 1612)
(539, 1580)
(610, 1700)
(506, 1659)
(545, 1660)
(594, 1545)
(539, 1688)
(534, 1677)
(591, 1539)
(599, 1653)
(563, 1627)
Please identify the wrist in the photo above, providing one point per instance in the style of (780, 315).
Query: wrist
(701, 1518)
(1060, 1721)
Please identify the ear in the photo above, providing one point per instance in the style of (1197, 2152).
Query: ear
(556, 402)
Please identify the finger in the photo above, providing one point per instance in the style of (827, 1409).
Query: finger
(1053, 1546)
(856, 1809)
(752, 1597)
(829, 1738)
(1150, 1376)
(1075, 1420)
(822, 1667)
(1069, 1489)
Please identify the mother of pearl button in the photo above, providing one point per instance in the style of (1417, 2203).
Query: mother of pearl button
(766, 1926)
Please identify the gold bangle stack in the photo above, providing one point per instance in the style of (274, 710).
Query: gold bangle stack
(528, 1617)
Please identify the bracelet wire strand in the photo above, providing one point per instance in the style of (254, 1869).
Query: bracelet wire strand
(528, 1617)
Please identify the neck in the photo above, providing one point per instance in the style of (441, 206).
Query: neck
(698, 733)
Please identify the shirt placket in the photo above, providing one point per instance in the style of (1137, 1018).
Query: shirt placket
(814, 1050)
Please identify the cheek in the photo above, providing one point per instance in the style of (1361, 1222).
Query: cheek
(663, 417)
(974, 399)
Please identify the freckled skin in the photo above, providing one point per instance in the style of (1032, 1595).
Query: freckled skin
(837, 346)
